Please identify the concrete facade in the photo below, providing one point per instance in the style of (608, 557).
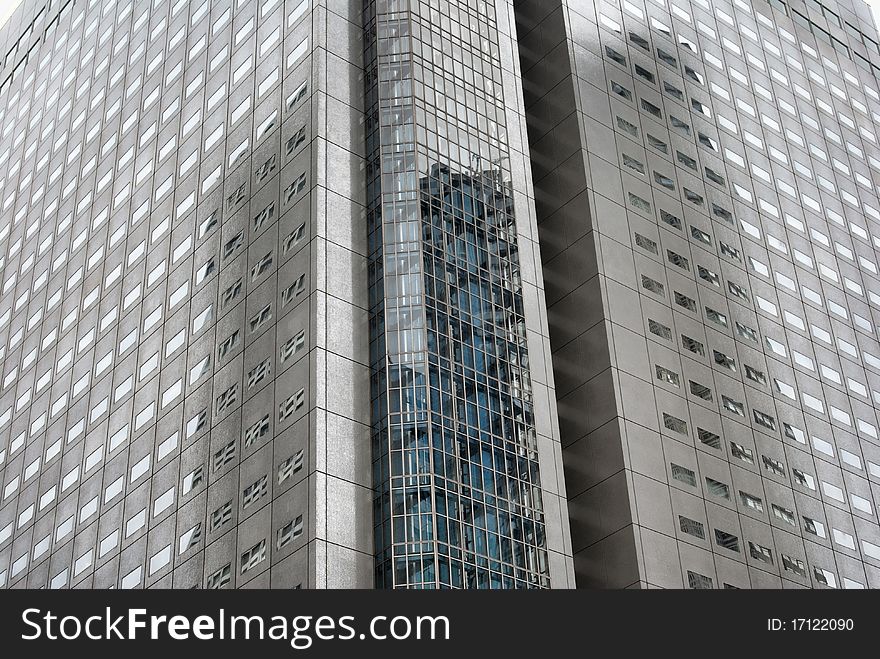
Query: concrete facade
(705, 177)
(439, 293)
(185, 361)
(186, 364)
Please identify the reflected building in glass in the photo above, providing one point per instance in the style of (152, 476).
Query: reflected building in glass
(464, 508)
(459, 451)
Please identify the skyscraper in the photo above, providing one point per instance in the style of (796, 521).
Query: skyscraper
(184, 326)
(217, 217)
(439, 293)
(706, 187)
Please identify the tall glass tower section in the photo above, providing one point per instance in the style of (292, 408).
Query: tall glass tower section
(455, 453)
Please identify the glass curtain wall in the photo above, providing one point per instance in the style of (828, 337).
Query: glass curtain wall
(458, 502)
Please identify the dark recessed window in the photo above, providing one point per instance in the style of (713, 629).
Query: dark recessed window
(794, 565)
(691, 527)
(659, 329)
(693, 197)
(751, 501)
(297, 140)
(754, 374)
(694, 75)
(815, 527)
(651, 109)
(716, 317)
(633, 164)
(760, 553)
(773, 466)
(700, 107)
(698, 581)
(700, 390)
(709, 276)
(724, 361)
(673, 91)
(680, 125)
(684, 301)
(256, 431)
(220, 578)
(804, 479)
(627, 127)
(747, 332)
(742, 453)
(660, 145)
(692, 345)
(674, 423)
(646, 243)
(726, 540)
(713, 176)
(645, 74)
(733, 406)
(666, 58)
(707, 142)
(665, 375)
(638, 202)
(701, 236)
(729, 251)
(737, 291)
(639, 40)
(709, 438)
(615, 56)
(223, 456)
(670, 219)
(717, 488)
(653, 285)
(686, 160)
(620, 90)
(765, 420)
(684, 475)
(664, 181)
(783, 514)
(678, 260)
